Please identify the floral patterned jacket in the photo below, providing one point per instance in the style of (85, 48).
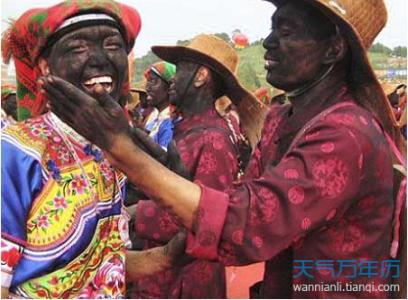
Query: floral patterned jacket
(62, 229)
(206, 147)
(318, 211)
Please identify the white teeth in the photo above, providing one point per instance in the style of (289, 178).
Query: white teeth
(101, 79)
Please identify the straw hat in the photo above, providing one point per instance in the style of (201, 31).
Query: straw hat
(360, 21)
(219, 56)
(134, 99)
(389, 88)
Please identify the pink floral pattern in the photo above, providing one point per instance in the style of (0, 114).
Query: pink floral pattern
(212, 160)
(320, 200)
(109, 280)
(331, 176)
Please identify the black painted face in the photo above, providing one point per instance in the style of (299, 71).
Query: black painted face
(90, 55)
(181, 86)
(157, 91)
(296, 46)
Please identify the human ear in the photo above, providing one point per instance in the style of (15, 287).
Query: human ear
(337, 49)
(201, 77)
(43, 66)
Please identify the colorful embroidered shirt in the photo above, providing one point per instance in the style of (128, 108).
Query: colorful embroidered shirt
(206, 147)
(318, 210)
(151, 119)
(62, 227)
(162, 130)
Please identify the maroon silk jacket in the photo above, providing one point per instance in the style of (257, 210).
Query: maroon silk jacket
(206, 148)
(317, 207)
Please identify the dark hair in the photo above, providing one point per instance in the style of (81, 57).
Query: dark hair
(9, 105)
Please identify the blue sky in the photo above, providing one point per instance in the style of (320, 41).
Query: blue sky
(165, 22)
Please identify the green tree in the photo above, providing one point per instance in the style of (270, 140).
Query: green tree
(380, 48)
(247, 76)
(400, 51)
(224, 36)
(183, 42)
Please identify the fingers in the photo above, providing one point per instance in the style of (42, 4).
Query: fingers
(103, 97)
(73, 93)
(54, 95)
(174, 161)
(153, 148)
(173, 153)
(176, 250)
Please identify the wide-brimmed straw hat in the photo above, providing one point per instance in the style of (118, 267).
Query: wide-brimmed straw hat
(360, 21)
(219, 56)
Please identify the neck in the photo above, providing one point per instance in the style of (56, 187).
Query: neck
(162, 106)
(198, 103)
(318, 93)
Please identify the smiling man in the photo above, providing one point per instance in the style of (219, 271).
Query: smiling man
(64, 230)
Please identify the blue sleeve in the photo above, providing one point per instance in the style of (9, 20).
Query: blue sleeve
(21, 181)
(165, 134)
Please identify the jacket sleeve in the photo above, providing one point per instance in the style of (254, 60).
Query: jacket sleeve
(314, 183)
(21, 181)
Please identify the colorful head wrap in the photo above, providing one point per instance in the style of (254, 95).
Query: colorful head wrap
(7, 90)
(32, 32)
(163, 69)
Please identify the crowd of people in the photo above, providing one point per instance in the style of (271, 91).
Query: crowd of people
(114, 192)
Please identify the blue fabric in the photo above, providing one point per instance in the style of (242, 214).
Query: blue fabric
(164, 134)
(21, 181)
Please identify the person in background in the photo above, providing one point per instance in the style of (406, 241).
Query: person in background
(136, 101)
(158, 77)
(8, 105)
(204, 141)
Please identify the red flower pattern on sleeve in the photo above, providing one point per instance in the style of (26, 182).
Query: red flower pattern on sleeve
(322, 200)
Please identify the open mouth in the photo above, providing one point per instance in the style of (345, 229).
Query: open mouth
(269, 64)
(105, 81)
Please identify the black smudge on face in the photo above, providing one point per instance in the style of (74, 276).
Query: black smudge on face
(89, 52)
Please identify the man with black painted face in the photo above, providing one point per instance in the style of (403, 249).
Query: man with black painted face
(158, 78)
(316, 201)
(203, 140)
(62, 202)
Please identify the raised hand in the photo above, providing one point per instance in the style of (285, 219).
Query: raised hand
(175, 163)
(175, 250)
(97, 117)
(170, 158)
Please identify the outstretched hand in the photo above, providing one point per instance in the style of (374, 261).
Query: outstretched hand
(170, 158)
(97, 117)
(174, 250)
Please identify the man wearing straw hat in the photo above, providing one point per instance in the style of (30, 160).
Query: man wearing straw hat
(63, 228)
(209, 151)
(316, 202)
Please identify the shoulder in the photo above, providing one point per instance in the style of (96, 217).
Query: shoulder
(29, 137)
(353, 118)
(350, 129)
